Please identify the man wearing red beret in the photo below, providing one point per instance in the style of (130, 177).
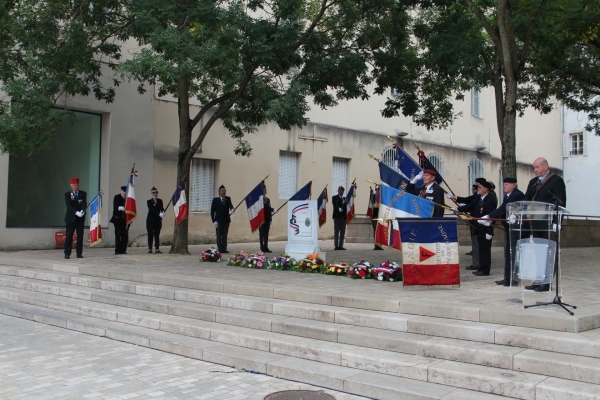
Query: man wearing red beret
(430, 190)
(76, 201)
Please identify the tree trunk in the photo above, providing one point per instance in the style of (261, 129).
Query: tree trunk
(509, 157)
(180, 233)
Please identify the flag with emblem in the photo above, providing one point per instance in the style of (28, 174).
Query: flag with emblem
(95, 225)
(256, 207)
(430, 253)
(130, 206)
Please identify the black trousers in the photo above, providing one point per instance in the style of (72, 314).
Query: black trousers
(73, 227)
(485, 252)
(222, 236)
(121, 238)
(339, 231)
(263, 234)
(153, 229)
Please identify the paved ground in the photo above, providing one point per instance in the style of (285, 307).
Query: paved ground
(41, 362)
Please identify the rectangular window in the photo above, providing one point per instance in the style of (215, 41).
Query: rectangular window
(339, 176)
(288, 174)
(577, 144)
(476, 103)
(202, 189)
(37, 185)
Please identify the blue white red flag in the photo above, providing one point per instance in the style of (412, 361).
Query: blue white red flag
(304, 193)
(95, 225)
(130, 206)
(400, 204)
(387, 234)
(391, 177)
(256, 207)
(179, 201)
(350, 202)
(372, 200)
(322, 207)
(426, 164)
(406, 165)
(430, 251)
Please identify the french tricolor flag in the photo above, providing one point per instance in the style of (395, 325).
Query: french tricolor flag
(130, 206)
(179, 200)
(350, 202)
(256, 207)
(322, 207)
(95, 226)
(387, 233)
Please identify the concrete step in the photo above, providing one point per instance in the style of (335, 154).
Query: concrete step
(371, 383)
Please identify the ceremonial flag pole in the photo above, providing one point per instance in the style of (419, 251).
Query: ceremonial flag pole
(244, 199)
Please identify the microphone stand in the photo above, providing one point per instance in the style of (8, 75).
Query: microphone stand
(557, 299)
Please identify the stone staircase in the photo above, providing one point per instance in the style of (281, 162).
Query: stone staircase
(370, 347)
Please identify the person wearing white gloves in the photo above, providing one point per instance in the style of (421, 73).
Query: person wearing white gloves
(220, 212)
(430, 190)
(75, 200)
(339, 218)
(120, 222)
(483, 205)
(156, 212)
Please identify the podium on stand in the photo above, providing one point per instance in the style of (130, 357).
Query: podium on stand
(534, 236)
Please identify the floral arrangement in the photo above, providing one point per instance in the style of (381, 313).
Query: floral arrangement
(238, 259)
(337, 268)
(258, 260)
(361, 270)
(211, 255)
(388, 271)
(281, 262)
(312, 263)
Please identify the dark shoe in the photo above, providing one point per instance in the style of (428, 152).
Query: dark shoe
(336, 248)
(378, 248)
(341, 248)
(469, 253)
(225, 251)
(158, 251)
(502, 282)
(479, 273)
(543, 288)
(514, 283)
(150, 251)
(79, 256)
(471, 268)
(531, 287)
(67, 256)
(267, 251)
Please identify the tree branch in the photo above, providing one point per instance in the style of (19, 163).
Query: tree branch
(208, 106)
(486, 25)
(527, 40)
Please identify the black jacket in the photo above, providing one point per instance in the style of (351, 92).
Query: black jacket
(219, 210)
(74, 205)
(118, 217)
(478, 208)
(338, 202)
(435, 194)
(500, 212)
(554, 184)
(154, 209)
(268, 209)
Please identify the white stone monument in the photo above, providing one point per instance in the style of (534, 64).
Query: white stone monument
(303, 229)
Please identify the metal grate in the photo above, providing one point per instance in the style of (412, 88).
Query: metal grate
(299, 395)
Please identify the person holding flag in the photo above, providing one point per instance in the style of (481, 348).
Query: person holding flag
(339, 218)
(263, 230)
(373, 212)
(322, 207)
(220, 212)
(120, 222)
(95, 224)
(156, 212)
(75, 201)
(430, 190)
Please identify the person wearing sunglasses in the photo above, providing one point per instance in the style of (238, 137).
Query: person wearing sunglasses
(156, 212)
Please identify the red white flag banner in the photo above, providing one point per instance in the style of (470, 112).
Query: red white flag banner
(350, 202)
(130, 206)
(256, 207)
(322, 207)
(179, 201)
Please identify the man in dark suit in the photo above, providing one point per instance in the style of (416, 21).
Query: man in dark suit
(339, 218)
(511, 194)
(156, 212)
(478, 208)
(430, 190)
(467, 200)
(120, 222)
(375, 214)
(76, 201)
(472, 225)
(220, 212)
(542, 188)
(263, 230)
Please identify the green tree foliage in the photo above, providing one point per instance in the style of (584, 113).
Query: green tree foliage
(51, 50)
(252, 62)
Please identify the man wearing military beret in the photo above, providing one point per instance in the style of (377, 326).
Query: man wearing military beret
(156, 212)
(76, 202)
(430, 190)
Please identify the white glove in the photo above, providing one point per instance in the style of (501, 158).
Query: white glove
(232, 211)
(79, 213)
(482, 222)
(449, 195)
(162, 214)
(453, 209)
(82, 212)
(121, 208)
(216, 224)
(554, 227)
(417, 178)
(512, 219)
(340, 209)
(488, 236)
(274, 212)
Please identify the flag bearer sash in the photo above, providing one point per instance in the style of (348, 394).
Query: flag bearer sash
(430, 251)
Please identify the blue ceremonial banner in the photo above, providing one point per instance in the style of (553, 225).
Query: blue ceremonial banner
(400, 204)
(303, 194)
(391, 178)
(406, 165)
(426, 164)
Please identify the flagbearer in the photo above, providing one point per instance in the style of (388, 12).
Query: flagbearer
(120, 222)
(156, 212)
(220, 212)
(430, 190)
(263, 230)
(339, 218)
(75, 218)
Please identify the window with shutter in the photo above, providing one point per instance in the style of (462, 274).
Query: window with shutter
(437, 161)
(202, 189)
(476, 103)
(339, 174)
(288, 174)
(388, 156)
(475, 171)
